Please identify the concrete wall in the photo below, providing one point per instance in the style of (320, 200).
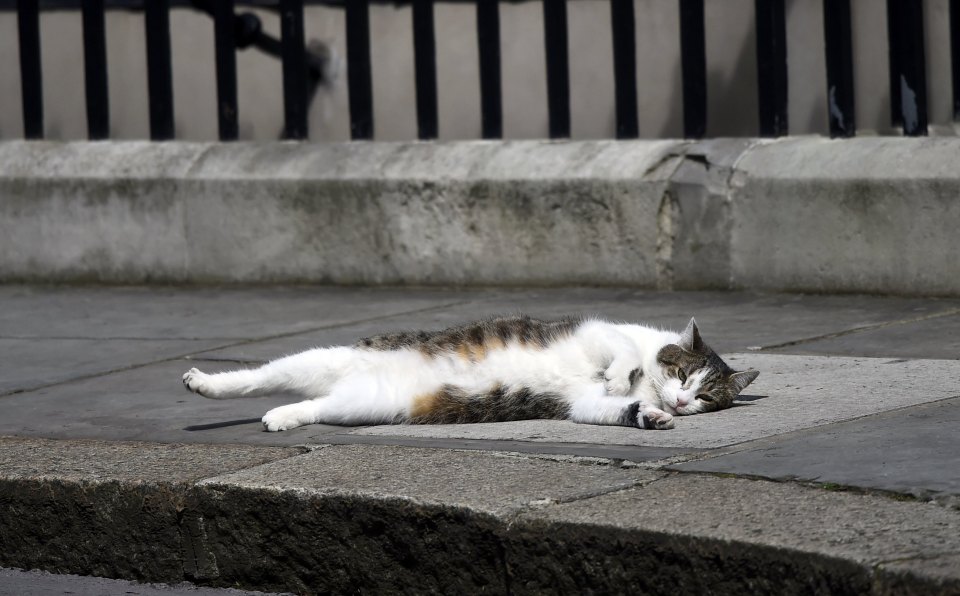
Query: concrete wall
(875, 215)
(731, 72)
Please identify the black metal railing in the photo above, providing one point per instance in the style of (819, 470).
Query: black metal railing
(302, 69)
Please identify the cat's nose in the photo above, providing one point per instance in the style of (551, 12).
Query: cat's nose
(681, 402)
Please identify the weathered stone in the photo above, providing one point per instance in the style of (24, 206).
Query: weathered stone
(106, 509)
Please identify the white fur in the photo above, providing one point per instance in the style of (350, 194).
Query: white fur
(358, 386)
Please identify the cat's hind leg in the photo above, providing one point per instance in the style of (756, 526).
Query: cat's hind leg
(311, 373)
(361, 399)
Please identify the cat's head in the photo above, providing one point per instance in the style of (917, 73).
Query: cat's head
(694, 379)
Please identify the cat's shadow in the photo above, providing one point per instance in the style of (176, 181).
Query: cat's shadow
(223, 424)
(738, 402)
(747, 398)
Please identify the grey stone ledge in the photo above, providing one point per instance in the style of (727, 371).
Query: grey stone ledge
(870, 215)
(402, 519)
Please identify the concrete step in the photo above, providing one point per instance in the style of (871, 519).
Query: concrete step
(400, 519)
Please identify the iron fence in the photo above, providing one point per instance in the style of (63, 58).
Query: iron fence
(301, 70)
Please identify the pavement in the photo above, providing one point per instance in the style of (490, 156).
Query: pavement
(836, 471)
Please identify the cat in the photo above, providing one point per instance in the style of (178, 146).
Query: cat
(509, 368)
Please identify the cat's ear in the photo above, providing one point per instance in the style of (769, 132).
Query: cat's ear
(740, 380)
(690, 338)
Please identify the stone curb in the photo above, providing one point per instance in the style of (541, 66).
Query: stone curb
(875, 215)
(273, 527)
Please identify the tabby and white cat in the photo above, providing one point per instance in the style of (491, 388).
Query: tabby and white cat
(511, 368)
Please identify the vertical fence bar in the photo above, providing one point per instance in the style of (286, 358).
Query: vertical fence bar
(359, 79)
(425, 68)
(955, 56)
(908, 78)
(894, 51)
(558, 67)
(623, 29)
(226, 58)
(31, 79)
(488, 40)
(293, 54)
(95, 69)
(693, 59)
(839, 49)
(772, 67)
(156, 18)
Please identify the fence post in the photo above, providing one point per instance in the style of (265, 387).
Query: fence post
(558, 67)
(95, 69)
(908, 79)
(840, 99)
(693, 60)
(31, 76)
(955, 56)
(226, 58)
(623, 29)
(425, 70)
(488, 40)
(293, 54)
(359, 81)
(156, 20)
(772, 67)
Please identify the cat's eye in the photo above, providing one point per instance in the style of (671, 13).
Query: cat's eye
(705, 397)
(681, 375)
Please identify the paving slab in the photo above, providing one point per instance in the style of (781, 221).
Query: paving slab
(911, 451)
(139, 462)
(143, 404)
(901, 575)
(937, 337)
(55, 334)
(564, 509)
(730, 321)
(27, 364)
(149, 403)
(492, 483)
(197, 313)
(107, 509)
(396, 519)
(791, 393)
(735, 514)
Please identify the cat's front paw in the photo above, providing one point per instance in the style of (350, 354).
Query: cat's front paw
(616, 386)
(619, 377)
(198, 382)
(654, 419)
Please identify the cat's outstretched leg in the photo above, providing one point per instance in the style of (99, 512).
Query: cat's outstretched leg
(593, 408)
(309, 373)
(358, 400)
